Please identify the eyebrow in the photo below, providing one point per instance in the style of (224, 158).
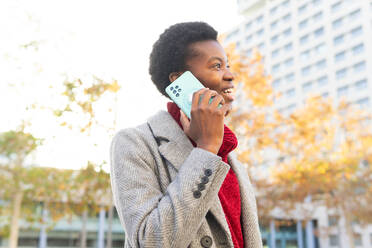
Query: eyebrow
(218, 58)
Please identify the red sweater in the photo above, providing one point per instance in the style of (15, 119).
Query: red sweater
(229, 193)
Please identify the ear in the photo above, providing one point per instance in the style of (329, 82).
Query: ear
(174, 75)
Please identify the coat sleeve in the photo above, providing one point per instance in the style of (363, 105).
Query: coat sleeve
(151, 218)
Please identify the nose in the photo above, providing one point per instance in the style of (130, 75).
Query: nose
(228, 75)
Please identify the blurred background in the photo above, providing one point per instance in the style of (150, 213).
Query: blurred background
(73, 73)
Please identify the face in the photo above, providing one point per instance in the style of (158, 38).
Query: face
(211, 67)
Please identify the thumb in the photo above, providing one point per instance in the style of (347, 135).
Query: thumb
(184, 121)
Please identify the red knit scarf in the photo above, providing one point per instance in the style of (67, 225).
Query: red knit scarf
(229, 193)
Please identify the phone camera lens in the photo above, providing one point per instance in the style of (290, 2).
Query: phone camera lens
(174, 92)
(171, 88)
(179, 90)
(177, 94)
(176, 87)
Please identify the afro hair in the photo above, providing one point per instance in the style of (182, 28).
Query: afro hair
(171, 51)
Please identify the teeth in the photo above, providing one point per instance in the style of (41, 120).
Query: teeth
(227, 91)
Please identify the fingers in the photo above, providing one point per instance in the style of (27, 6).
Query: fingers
(224, 109)
(196, 97)
(184, 120)
(217, 100)
(206, 97)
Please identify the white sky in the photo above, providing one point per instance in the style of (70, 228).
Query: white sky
(110, 39)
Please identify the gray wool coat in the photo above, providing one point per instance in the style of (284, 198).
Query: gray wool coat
(156, 175)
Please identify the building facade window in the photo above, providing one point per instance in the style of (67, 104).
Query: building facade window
(318, 16)
(302, 9)
(248, 38)
(286, 18)
(260, 19)
(260, 32)
(337, 23)
(336, 6)
(321, 64)
(342, 91)
(356, 31)
(275, 53)
(305, 55)
(285, 4)
(306, 70)
(357, 239)
(288, 62)
(274, 39)
(316, 2)
(261, 46)
(306, 87)
(319, 32)
(303, 24)
(288, 47)
(289, 77)
(363, 103)
(359, 67)
(355, 14)
(320, 49)
(274, 24)
(338, 39)
(273, 10)
(340, 56)
(276, 83)
(334, 240)
(322, 81)
(287, 32)
(358, 49)
(290, 93)
(248, 25)
(304, 39)
(361, 84)
(333, 220)
(340, 74)
(276, 68)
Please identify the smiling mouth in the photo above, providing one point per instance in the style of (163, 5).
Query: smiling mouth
(227, 91)
(228, 94)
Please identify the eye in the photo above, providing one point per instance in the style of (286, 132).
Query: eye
(217, 65)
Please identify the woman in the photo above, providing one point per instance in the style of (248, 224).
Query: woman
(175, 181)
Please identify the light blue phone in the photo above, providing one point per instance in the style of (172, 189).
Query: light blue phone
(181, 91)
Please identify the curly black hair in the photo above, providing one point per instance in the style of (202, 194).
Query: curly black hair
(171, 51)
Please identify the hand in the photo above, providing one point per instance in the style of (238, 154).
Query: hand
(206, 126)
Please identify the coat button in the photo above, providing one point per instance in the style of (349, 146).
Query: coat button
(206, 241)
(197, 194)
(201, 186)
(208, 172)
(204, 180)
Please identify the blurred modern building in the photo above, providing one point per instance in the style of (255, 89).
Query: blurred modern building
(311, 47)
(66, 233)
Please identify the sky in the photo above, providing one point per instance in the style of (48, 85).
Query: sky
(43, 42)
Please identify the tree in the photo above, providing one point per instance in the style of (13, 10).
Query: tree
(320, 150)
(15, 146)
(83, 99)
(328, 155)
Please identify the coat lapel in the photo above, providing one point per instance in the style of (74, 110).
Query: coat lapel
(249, 219)
(176, 147)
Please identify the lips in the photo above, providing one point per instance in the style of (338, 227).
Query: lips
(228, 94)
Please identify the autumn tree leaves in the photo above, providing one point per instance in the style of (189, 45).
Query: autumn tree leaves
(322, 150)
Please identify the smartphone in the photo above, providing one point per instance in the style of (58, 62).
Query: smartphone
(181, 91)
